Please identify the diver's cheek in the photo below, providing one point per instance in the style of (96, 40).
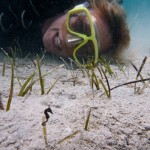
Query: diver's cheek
(46, 43)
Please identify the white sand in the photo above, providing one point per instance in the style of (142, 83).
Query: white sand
(121, 122)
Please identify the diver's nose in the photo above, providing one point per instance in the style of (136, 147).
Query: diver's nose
(73, 40)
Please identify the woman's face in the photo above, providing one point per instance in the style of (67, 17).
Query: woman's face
(55, 34)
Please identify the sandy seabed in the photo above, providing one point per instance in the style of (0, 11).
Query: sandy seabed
(119, 123)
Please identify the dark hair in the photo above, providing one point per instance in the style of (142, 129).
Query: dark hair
(115, 18)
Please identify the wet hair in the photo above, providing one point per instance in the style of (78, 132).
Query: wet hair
(115, 18)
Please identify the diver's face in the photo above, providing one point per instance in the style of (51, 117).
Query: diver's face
(55, 34)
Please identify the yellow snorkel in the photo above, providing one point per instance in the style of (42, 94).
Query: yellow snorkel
(82, 38)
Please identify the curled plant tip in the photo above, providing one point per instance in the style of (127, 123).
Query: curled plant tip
(36, 12)
(13, 13)
(46, 115)
(1, 24)
(23, 22)
(1, 104)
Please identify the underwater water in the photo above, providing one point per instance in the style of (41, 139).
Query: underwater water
(138, 17)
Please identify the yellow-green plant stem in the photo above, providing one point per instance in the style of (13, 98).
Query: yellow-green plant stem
(45, 132)
(53, 85)
(23, 88)
(105, 89)
(11, 83)
(40, 75)
(11, 88)
(108, 92)
(104, 63)
(30, 85)
(68, 137)
(87, 120)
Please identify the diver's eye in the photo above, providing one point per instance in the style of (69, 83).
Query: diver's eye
(80, 24)
(76, 23)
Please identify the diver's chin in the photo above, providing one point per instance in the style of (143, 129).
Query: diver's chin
(65, 53)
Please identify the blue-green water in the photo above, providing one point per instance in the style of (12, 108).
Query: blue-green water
(138, 16)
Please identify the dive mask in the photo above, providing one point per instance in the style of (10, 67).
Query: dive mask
(83, 36)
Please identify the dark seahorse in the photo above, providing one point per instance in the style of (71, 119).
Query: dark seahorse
(47, 115)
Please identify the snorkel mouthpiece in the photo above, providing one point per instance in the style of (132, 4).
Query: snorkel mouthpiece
(72, 41)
